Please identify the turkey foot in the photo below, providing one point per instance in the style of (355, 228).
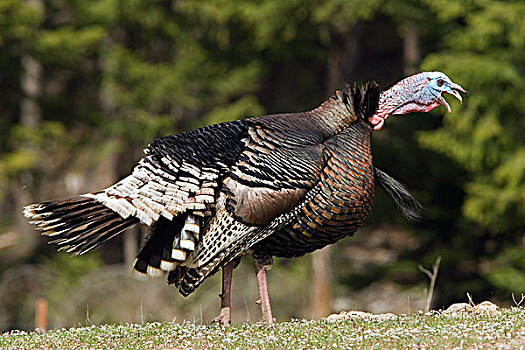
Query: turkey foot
(224, 317)
(262, 263)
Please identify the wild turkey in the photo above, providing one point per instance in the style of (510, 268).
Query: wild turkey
(276, 185)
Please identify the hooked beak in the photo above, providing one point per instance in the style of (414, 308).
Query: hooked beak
(454, 90)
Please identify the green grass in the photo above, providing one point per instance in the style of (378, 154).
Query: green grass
(504, 329)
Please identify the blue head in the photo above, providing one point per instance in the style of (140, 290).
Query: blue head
(438, 84)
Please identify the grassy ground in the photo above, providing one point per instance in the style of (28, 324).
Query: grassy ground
(502, 329)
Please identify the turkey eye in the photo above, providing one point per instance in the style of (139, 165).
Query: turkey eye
(440, 82)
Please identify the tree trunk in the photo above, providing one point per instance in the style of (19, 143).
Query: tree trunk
(131, 245)
(342, 59)
(321, 283)
(411, 53)
(130, 238)
(30, 117)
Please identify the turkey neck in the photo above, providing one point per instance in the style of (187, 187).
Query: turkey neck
(336, 113)
(342, 113)
(397, 96)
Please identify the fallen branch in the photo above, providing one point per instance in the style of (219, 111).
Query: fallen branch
(432, 275)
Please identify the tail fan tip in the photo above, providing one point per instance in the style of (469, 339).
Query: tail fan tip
(144, 270)
(140, 275)
(168, 266)
(178, 254)
(77, 224)
(411, 209)
(155, 272)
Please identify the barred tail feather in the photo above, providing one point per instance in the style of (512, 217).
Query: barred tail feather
(155, 257)
(170, 243)
(77, 224)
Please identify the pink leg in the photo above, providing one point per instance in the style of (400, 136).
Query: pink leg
(261, 265)
(224, 317)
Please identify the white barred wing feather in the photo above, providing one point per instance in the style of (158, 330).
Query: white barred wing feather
(158, 188)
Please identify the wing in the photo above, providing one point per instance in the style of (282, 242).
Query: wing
(279, 164)
(283, 156)
(269, 178)
(180, 173)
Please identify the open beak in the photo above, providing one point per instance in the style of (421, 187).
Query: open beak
(454, 90)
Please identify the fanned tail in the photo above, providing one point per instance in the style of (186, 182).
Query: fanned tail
(77, 224)
(409, 206)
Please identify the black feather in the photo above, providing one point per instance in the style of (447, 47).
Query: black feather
(409, 206)
(77, 224)
(159, 243)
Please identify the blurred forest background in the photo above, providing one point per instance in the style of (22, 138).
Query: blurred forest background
(86, 85)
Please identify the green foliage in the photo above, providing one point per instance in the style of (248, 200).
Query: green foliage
(245, 106)
(486, 57)
(68, 270)
(485, 135)
(68, 45)
(18, 21)
(30, 149)
(507, 271)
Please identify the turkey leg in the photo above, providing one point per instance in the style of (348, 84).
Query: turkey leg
(263, 263)
(224, 317)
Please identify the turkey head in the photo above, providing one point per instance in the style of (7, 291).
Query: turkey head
(421, 92)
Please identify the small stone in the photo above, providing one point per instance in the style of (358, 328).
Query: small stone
(385, 317)
(458, 307)
(348, 315)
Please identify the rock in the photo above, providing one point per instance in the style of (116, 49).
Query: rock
(458, 307)
(486, 306)
(348, 315)
(453, 310)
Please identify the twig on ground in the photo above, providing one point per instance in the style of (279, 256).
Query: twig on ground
(470, 300)
(521, 300)
(433, 276)
(88, 320)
